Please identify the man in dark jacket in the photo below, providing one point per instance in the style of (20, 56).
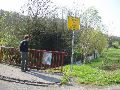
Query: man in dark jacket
(24, 53)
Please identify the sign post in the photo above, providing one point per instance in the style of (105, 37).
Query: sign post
(73, 24)
(71, 67)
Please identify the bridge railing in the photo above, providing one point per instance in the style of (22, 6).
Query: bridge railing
(38, 59)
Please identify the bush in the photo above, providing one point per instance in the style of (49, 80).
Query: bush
(115, 44)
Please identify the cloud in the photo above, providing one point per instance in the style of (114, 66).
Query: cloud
(11, 5)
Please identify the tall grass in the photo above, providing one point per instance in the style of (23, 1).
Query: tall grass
(93, 73)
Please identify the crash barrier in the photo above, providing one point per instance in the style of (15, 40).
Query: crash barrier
(38, 59)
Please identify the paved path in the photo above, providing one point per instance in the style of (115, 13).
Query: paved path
(32, 75)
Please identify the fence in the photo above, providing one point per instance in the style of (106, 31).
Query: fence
(11, 55)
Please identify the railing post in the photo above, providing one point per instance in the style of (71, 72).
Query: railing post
(41, 54)
(56, 58)
(62, 61)
(37, 57)
(59, 59)
(52, 64)
(1, 54)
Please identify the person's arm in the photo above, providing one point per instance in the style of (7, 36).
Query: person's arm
(20, 46)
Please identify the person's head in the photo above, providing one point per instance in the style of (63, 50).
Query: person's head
(26, 37)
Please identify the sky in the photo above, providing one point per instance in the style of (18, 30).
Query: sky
(109, 10)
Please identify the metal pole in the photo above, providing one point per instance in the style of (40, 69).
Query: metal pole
(28, 28)
(71, 67)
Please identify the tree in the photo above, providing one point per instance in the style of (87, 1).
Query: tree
(91, 18)
(12, 28)
(91, 36)
(115, 44)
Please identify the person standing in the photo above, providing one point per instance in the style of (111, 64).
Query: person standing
(24, 53)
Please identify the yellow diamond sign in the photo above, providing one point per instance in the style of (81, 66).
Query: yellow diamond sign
(73, 23)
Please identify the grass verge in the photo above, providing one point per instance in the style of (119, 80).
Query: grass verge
(92, 73)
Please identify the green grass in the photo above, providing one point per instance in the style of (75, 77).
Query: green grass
(94, 73)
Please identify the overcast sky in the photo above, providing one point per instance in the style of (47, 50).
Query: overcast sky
(109, 10)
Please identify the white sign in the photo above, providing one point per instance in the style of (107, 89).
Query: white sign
(47, 57)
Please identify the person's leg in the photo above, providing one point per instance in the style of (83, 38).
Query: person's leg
(26, 61)
(22, 61)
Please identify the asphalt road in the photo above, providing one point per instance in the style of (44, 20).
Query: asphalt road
(5, 85)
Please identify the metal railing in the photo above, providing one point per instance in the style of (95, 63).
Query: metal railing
(11, 55)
